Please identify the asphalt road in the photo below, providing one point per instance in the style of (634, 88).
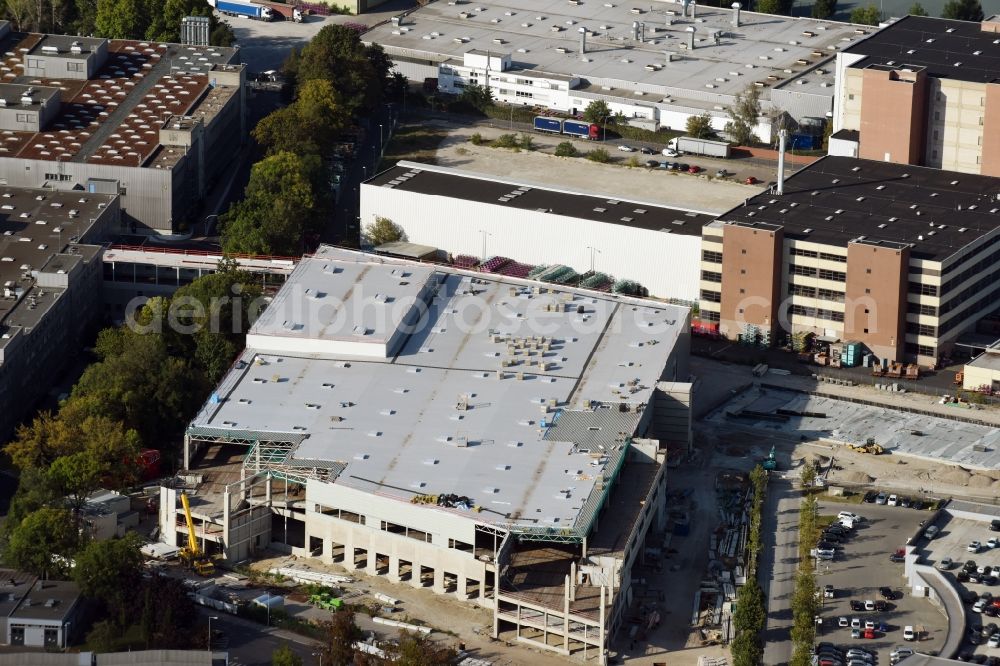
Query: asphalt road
(778, 562)
(250, 644)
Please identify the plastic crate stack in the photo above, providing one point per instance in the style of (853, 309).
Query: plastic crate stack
(627, 287)
(559, 274)
(537, 270)
(516, 270)
(750, 335)
(495, 264)
(597, 281)
(465, 261)
(764, 340)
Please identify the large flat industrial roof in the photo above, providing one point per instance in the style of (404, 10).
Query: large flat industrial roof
(949, 49)
(436, 417)
(543, 35)
(458, 184)
(115, 118)
(37, 225)
(837, 200)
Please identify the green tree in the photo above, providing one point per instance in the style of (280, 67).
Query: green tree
(310, 125)
(337, 54)
(963, 10)
(419, 650)
(478, 97)
(110, 572)
(597, 111)
(341, 634)
(700, 126)
(222, 35)
(566, 149)
(120, 19)
(743, 115)
(284, 656)
(750, 613)
(382, 231)
(869, 15)
(917, 10)
(43, 534)
(277, 209)
(86, 15)
(746, 649)
(807, 476)
(166, 15)
(782, 7)
(39, 443)
(824, 9)
(76, 477)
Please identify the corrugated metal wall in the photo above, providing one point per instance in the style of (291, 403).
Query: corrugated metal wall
(667, 264)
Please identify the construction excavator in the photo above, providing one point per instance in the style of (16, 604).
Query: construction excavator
(870, 446)
(192, 555)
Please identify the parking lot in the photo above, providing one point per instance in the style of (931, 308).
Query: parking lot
(861, 567)
(952, 542)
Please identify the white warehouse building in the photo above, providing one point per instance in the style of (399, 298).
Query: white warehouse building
(463, 212)
(659, 62)
(494, 439)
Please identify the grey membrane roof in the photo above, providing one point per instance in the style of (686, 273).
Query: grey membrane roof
(950, 49)
(454, 183)
(437, 417)
(543, 35)
(837, 200)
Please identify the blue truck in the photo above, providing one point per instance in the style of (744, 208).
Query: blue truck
(241, 8)
(543, 124)
(580, 129)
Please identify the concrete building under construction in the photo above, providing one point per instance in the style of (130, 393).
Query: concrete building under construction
(486, 437)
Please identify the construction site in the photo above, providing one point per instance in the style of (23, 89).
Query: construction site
(520, 472)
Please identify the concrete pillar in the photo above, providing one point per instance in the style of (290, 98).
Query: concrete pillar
(462, 587)
(187, 452)
(371, 568)
(438, 580)
(394, 568)
(349, 553)
(567, 596)
(415, 578)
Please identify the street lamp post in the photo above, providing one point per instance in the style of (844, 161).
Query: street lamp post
(592, 251)
(210, 618)
(485, 234)
(320, 655)
(381, 139)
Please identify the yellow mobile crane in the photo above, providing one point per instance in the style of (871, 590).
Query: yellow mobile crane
(192, 555)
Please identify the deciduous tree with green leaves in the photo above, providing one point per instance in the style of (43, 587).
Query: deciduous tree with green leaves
(869, 15)
(824, 9)
(781, 7)
(744, 114)
(42, 543)
(110, 573)
(337, 55)
(700, 126)
(963, 10)
(382, 231)
(917, 10)
(597, 111)
(309, 125)
(478, 97)
(284, 656)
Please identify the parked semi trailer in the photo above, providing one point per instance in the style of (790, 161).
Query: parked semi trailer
(240, 8)
(693, 146)
(581, 129)
(543, 124)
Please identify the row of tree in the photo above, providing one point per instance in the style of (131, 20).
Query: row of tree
(289, 198)
(804, 602)
(963, 10)
(156, 20)
(149, 380)
(750, 615)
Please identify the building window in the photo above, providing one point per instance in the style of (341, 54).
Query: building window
(51, 637)
(801, 290)
(74, 67)
(23, 118)
(518, 93)
(711, 296)
(923, 289)
(711, 276)
(806, 271)
(36, 63)
(804, 253)
(833, 257)
(460, 545)
(831, 295)
(17, 634)
(868, 271)
(836, 276)
(850, 97)
(711, 257)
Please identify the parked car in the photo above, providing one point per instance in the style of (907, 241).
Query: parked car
(899, 653)
(909, 634)
(857, 605)
(979, 606)
(918, 505)
(855, 633)
(652, 164)
(751, 180)
(626, 149)
(995, 525)
(893, 500)
(881, 498)
(721, 173)
(843, 621)
(647, 151)
(970, 565)
(869, 624)
(974, 547)
(869, 633)
(869, 605)
(994, 641)
(945, 563)
(851, 516)
(670, 152)
(829, 592)
(991, 611)
(694, 168)
(683, 167)
(855, 622)
(897, 558)
(904, 502)
(870, 496)
(881, 606)
(887, 593)
(993, 542)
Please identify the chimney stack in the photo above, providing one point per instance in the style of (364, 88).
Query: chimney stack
(736, 14)
(782, 134)
(583, 40)
(635, 30)
(642, 32)
(690, 32)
